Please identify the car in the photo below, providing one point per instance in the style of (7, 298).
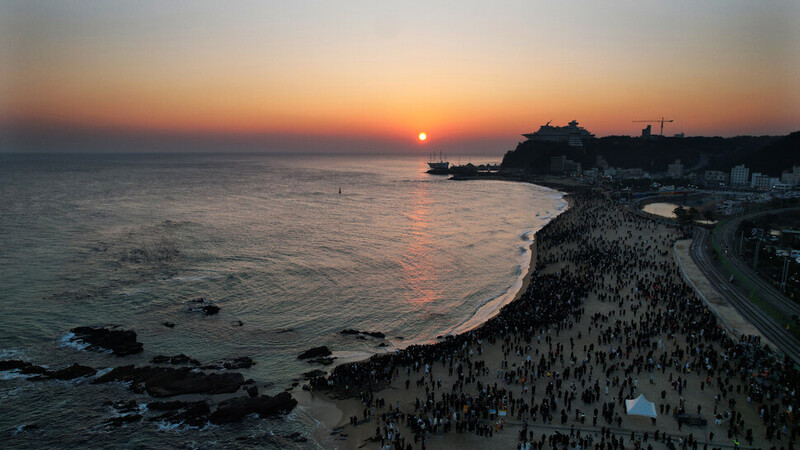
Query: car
(691, 419)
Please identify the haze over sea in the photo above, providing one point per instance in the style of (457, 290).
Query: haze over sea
(130, 239)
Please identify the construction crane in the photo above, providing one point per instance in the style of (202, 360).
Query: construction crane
(657, 121)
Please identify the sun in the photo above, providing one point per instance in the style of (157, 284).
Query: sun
(423, 136)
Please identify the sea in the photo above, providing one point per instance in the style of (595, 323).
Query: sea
(292, 248)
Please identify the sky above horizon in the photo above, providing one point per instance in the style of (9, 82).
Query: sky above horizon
(370, 76)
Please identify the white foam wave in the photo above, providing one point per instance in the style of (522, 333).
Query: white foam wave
(168, 426)
(68, 340)
(14, 375)
(180, 427)
(10, 353)
(101, 372)
(194, 278)
(19, 429)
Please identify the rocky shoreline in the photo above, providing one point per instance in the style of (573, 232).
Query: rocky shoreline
(190, 379)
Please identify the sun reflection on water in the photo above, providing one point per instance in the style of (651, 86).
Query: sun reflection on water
(417, 264)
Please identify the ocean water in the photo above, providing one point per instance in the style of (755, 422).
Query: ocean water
(130, 239)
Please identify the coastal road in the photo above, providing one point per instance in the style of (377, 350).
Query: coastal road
(735, 295)
(725, 239)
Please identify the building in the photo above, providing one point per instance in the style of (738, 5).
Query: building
(740, 176)
(763, 182)
(572, 167)
(634, 173)
(572, 134)
(557, 164)
(560, 165)
(675, 170)
(647, 132)
(715, 178)
(792, 178)
(592, 175)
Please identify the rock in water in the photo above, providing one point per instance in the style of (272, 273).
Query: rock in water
(120, 342)
(72, 372)
(23, 367)
(314, 374)
(243, 362)
(191, 413)
(252, 391)
(322, 361)
(375, 334)
(176, 360)
(233, 410)
(315, 352)
(168, 381)
(210, 310)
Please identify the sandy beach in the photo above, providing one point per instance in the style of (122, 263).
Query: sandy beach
(604, 316)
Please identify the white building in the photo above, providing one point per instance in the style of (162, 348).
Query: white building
(572, 134)
(740, 176)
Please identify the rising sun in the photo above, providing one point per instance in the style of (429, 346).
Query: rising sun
(423, 136)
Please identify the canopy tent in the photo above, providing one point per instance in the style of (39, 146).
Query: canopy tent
(640, 407)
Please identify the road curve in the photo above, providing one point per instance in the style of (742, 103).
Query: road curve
(783, 340)
(724, 237)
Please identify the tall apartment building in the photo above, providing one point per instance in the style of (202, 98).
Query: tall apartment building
(740, 176)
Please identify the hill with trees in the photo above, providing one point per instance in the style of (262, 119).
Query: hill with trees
(653, 155)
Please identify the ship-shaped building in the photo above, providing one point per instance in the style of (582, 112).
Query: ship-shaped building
(571, 134)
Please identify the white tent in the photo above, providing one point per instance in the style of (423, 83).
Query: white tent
(640, 407)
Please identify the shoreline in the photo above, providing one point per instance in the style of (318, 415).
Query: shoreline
(468, 324)
(330, 413)
(599, 266)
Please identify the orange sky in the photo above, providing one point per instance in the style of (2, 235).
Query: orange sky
(464, 72)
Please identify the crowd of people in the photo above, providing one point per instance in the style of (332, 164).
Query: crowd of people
(606, 316)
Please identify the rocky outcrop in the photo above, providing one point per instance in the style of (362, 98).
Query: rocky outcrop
(207, 307)
(168, 381)
(175, 360)
(313, 374)
(190, 413)
(210, 310)
(322, 361)
(70, 373)
(242, 362)
(315, 352)
(375, 334)
(23, 367)
(120, 342)
(233, 410)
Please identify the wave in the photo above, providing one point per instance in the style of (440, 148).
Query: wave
(194, 278)
(11, 353)
(14, 374)
(67, 340)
